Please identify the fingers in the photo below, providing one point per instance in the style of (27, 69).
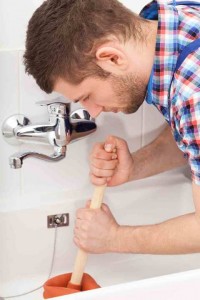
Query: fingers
(84, 214)
(103, 163)
(99, 180)
(80, 225)
(84, 218)
(106, 209)
(100, 152)
(116, 143)
(88, 203)
(111, 162)
(103, 171)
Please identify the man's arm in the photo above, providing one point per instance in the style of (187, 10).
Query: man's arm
(97, 231)
(159, 156)
(121, 166)
(176, 236)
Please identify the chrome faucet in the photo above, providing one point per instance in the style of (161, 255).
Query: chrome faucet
(62, 129)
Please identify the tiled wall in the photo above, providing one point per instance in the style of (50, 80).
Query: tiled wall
(18, 94)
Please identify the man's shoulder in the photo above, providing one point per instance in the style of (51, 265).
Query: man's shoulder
(189, 24)
(187, 78)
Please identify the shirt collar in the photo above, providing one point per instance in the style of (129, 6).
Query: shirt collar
(166, 51)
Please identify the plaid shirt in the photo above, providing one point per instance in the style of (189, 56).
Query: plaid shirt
(177, 95)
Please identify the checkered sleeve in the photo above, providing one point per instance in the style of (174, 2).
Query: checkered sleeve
(190, 132)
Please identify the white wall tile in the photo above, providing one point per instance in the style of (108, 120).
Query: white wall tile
(9, 179)
(8, 83)
(30, 93)
(14, 17)
(135, 6)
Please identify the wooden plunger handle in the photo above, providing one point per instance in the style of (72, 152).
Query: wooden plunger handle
(81, 257)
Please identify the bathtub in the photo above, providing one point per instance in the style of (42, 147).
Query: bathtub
(27, 245)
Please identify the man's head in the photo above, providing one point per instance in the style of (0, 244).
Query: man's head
(72, 44)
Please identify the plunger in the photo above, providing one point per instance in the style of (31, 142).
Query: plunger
(78, 280)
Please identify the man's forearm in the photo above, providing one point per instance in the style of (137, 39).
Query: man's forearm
(159, 156)
(176, 236)
(179, 235)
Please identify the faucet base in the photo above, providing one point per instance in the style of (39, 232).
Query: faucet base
(10, 126)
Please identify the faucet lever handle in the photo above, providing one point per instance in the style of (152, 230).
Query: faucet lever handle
(59, 106)
(60, 99)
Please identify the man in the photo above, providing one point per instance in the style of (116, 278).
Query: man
(109, 59)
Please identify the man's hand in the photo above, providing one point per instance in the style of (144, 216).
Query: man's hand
(115, 168)
(111, 162)
(96, 230)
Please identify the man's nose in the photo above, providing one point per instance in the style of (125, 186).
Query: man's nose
(93, 109)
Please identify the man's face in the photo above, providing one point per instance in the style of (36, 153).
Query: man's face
(116, 93)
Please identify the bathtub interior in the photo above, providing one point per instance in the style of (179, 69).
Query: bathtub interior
(27, 244)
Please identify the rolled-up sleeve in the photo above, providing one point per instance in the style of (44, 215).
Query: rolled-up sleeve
(190, 133)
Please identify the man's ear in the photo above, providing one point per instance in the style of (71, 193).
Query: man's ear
(111, 59)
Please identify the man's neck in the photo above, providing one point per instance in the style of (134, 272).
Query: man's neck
(142, 50)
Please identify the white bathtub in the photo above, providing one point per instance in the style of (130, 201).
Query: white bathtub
(27, 245)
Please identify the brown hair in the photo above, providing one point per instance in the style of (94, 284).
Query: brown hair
(63, 35)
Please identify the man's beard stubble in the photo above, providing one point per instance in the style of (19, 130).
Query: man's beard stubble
(130, 90)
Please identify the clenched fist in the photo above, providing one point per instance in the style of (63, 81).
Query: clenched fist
(111, 162)
(96, 230)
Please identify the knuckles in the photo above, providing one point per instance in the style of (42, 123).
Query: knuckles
(102, 164)
(97, 180)
(84, 214)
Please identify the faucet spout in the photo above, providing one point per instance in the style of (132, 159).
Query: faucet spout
(38, 133)
(16, 160)
(62, 129)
